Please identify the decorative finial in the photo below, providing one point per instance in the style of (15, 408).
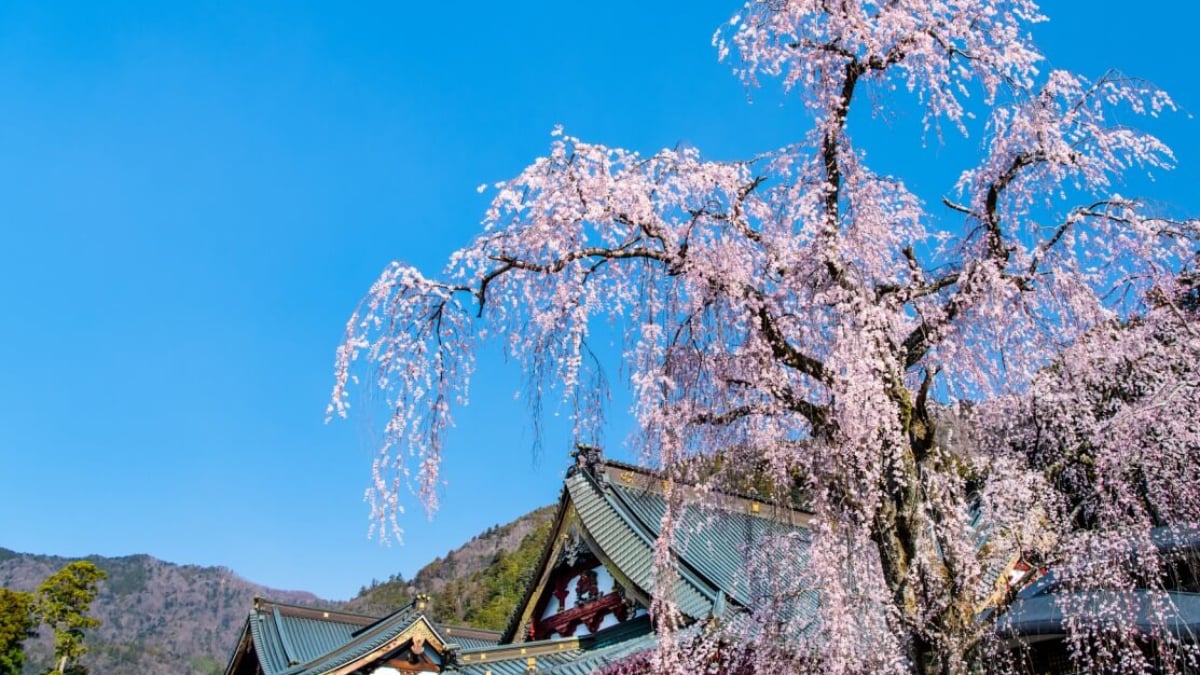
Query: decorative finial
(587, 458)
(421, 602)
(450, 662)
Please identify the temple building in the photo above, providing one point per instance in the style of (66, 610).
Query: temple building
(587, 607)
(282, 638)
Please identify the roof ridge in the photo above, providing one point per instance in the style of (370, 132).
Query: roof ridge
(293, 609)
(472, 629)
(366, 636)
(648, 476)
(683, 566)
(521, 649)
(289, 652)
(404, 609)
(510, 630)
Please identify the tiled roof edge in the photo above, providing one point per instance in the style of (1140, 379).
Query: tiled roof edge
(289, 652)
(402, 611)
(702, 583)
(310, 612)
(509, 632)
(518, 650)
(470, 632)
(726, 499)
(390, 626)
(240, 648)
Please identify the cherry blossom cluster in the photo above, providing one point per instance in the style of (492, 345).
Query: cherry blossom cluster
(816, 324)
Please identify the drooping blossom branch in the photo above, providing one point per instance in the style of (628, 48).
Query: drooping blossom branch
(812, 322)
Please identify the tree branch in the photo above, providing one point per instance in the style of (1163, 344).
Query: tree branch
(785, 352)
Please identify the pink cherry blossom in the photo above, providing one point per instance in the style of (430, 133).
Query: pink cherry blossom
(824, 329)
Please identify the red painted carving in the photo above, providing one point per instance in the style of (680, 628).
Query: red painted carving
(590, 615)
(590, 606)
(587, 588)
(560, 591)
(556, 591)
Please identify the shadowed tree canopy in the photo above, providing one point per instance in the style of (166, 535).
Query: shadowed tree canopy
(17, 623)
(816, 320)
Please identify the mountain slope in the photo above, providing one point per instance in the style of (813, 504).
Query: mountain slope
(157, 617)
(477, 584)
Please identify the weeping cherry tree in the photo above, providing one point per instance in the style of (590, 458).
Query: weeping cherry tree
(818, 321)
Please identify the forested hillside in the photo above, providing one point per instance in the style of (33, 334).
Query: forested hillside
(162, 618)
(157, 617)
(477, 584)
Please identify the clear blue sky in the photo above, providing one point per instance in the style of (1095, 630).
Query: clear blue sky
(193, 196)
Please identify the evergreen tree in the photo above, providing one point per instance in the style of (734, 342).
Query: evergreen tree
(62, 603)
(17, 622)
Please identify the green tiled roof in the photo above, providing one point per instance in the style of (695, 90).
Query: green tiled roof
(717, 542)
(591, 661)
(296, 640)
(621, 507)
(364, 643)
(627, 541)
(286, 636)
(469, 638)
(582, 656)
(620, 510)
(714, 541)
(514, 663)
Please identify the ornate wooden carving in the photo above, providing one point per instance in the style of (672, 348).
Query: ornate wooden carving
(587, 588)
(576, 577)
(590, 614)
